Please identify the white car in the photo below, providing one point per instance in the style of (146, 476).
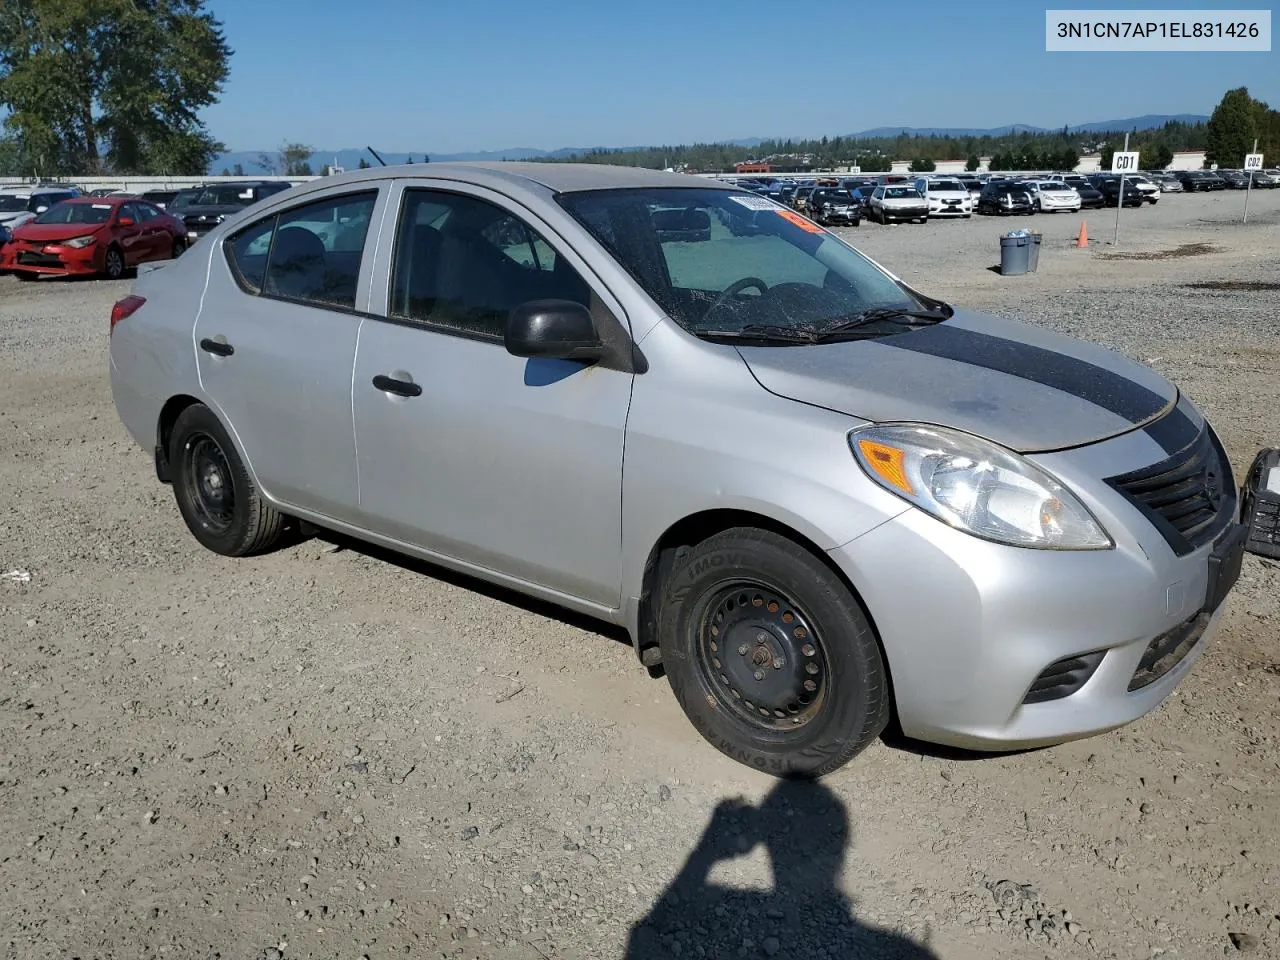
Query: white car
(1052, 196)
(1150, 191)
(947, 198)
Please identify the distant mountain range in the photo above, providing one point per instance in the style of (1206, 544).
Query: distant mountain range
(349, 158)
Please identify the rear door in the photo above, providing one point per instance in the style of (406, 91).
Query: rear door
(276, 338)
(507, 464)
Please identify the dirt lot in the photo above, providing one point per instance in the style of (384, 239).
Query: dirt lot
(335, 753)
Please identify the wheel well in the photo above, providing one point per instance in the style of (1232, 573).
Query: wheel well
(164, 432)
(698, 527)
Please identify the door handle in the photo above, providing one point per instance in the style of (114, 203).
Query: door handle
(401, 388)
(217, 347)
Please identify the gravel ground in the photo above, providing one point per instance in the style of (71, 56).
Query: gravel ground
(333, 752)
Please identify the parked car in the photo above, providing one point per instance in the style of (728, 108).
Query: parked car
(1111, 191)
(182, 200)
(1234, 179)
(217, 201)
(1168, 183)
(5, 237)
(161, 198)
(830, 206)
(1149, 189)
(1053, 196)
(556, 416)
(1001, 198)
(897, 202)
(1262, 180)
(947, 198)
(1199, 180)
(93, 235)
(800, 199)
(19, 206)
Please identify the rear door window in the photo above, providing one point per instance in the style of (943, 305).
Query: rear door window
(312, 253)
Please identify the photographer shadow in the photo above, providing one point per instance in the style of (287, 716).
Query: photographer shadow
(805, 828)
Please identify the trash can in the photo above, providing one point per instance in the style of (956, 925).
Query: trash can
(1015, 254)
(1034, 257)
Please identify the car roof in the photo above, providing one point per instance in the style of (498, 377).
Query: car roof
(556, 177)
(113, 200)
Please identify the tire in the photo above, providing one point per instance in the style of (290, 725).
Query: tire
(804, 636)
(179, 248)
(219, 501)
(26, 275)
(113, 263)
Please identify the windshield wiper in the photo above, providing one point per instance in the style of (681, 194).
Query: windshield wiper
(763, 332)
(898, 315)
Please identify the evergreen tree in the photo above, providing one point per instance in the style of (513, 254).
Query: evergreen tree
(1232, 129)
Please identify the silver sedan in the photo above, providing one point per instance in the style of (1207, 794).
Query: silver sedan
(816, 497)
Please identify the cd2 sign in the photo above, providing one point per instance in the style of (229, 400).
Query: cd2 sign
(1124, 162)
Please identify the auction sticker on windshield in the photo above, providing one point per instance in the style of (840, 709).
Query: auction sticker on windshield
(754, 203)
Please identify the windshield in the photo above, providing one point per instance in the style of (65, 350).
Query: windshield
(11, 204)
(183, 198)
(1054, 186)
(720, 260)
(76, 213)
(901, 193)
(943, 185)
(226, 195)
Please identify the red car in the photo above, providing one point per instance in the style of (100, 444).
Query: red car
(93, 235)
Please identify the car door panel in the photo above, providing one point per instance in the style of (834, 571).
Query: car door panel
(285, 390)
(509, 464)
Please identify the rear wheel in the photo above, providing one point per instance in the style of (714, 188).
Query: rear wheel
(769, 654)
(219, 501)
(179, 248)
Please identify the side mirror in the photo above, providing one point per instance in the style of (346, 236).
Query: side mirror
(553, 330)
(125, 222)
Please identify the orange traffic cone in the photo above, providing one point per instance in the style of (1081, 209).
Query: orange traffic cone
(1083, 239)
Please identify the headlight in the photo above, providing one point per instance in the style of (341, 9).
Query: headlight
(77, 242)
(976, 486)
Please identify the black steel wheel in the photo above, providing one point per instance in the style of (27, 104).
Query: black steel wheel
(219, 501)
(769, 654)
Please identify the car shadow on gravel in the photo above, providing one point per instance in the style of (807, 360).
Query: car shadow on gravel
(805, 829)
(425, 568)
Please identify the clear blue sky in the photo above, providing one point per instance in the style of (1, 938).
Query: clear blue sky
(450, 76)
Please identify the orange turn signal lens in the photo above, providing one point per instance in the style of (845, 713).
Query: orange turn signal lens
(889, 464)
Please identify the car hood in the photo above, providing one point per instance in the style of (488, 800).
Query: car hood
(52, 232)
(1020, 386)
(10, 216)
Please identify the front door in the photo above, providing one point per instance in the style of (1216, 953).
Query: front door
(507, 464)
(275, 341)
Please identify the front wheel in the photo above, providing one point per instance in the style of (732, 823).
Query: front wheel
(219, 501)
(179, 248)
(113, 264)
(770, 655)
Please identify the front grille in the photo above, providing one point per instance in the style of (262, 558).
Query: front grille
(29, 259)
(1063, 677)
(1167, 650)
(1188, 497)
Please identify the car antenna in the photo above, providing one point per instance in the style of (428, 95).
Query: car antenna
(375, 156)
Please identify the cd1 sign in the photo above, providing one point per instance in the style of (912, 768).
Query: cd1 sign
(1124, 162)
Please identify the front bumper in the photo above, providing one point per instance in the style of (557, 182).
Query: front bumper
(969, 626)
(904, 213)
(51, 259)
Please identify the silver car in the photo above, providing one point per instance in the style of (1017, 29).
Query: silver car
(816, 497)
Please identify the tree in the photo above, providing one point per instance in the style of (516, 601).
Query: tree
(425, 158)
(91, 85)
(973, 163)
(237, 170)
(923, 165)
(225, 172)
(1068, 159)
(364, 164)
(296, 159)
(1105, 156)
(1232, 129)
(266, 163)
(409, 159)
(1155, 155)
